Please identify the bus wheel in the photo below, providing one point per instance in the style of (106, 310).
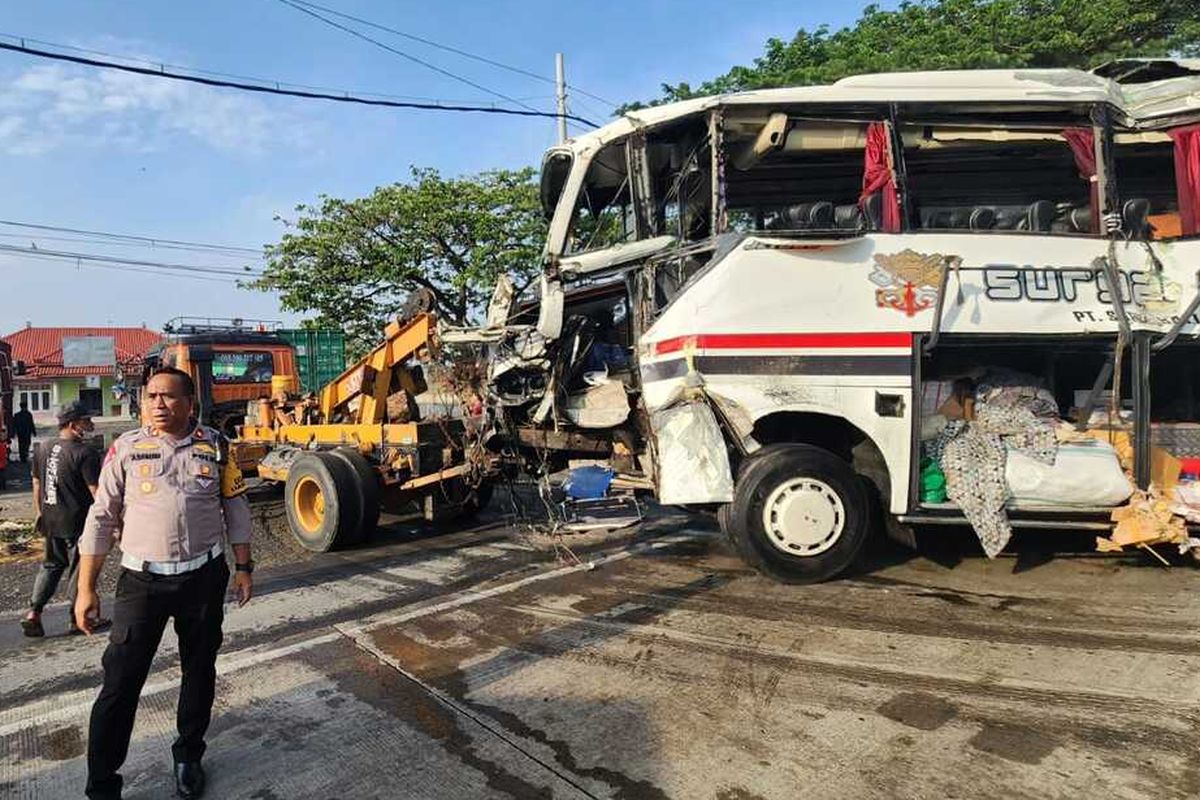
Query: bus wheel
(321, 500)
(799, 513)
(366, 483)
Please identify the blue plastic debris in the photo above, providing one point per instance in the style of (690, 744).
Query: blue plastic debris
(588, 483)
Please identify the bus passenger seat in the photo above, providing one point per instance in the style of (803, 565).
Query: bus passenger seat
(847, 217)
(1079, 219)
(802, 216)
(1135, 217)
(873, 210)
(982, 218)
(1040, 216)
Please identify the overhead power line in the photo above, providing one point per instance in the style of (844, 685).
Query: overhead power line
(160, 66)
(37, 239)
(65, 255)
(152, 241)
(449, 49)
(158, 273)
(402, 54)
(278, 89)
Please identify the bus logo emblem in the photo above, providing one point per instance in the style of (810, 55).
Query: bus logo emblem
(907, 281)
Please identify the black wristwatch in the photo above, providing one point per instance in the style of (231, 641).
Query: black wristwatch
(247, 567)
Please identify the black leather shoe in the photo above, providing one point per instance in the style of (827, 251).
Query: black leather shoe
(189, 779)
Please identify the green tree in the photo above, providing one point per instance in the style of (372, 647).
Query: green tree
(354, 262)
(967, 34)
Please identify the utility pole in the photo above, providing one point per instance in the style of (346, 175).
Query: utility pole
(560, 85)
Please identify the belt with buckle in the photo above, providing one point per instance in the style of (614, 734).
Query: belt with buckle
(130, 561)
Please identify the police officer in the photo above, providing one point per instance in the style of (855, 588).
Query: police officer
(173, 500)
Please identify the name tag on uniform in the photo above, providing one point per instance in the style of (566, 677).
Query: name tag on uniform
(144, 456)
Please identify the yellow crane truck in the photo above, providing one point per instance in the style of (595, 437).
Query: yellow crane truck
(361, 445)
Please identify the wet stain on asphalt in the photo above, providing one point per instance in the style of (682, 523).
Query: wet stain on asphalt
(736, 793)
(386, 690)
(919, 710)
(627, 788)
(1027, 627)
(439, 666)
(343, 568)
(61, 744)
(954, 598)
(1013, 743)
(962, 598)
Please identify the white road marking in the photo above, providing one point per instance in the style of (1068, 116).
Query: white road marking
(73, 704)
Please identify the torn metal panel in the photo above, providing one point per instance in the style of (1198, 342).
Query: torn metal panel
(602, 406)
(716, 150)
(546, 405)
(597, 443)
(599, 260)
(1136, 102)
(550, 309)
(693, 464)
(641, 186)
(452, 335)
(501, 304)
(736, 418)
(772, 136)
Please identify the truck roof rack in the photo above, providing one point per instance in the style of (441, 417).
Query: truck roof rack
(190, 325)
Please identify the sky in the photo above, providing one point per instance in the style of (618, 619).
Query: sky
(99, 150)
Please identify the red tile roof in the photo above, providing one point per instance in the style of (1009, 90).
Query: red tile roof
(41, 349)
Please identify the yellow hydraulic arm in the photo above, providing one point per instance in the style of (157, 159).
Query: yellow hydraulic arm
(375, 376)
(354, 406)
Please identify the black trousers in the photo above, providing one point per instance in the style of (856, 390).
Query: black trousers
(61, 555)
(143, 604)
(23, 447)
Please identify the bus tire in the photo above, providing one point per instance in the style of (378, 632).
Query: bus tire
(799, 513)
(321, 501)
(367, 484)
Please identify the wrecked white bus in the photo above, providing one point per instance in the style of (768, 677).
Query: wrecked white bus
(784, 305)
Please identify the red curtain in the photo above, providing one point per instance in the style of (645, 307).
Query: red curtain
(879, 175)
(1083, 146)
(1187, 177)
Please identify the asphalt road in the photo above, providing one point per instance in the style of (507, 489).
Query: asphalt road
(475, 665)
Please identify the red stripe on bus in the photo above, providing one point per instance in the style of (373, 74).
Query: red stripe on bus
(770, 341)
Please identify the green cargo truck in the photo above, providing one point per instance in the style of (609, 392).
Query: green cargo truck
(320, 355)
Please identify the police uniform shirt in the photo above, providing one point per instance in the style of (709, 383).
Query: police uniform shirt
(167, 499)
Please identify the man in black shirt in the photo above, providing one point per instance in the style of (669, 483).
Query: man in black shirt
(23, 429)
(66, 471)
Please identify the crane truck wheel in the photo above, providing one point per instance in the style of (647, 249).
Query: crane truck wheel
(321, 499)
(366, 482)
(799, 513)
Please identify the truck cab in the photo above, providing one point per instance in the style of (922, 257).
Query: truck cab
(761, 304)
(233, 363)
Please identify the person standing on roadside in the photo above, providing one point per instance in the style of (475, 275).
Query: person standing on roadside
(23, 429)
(65, 473)
(173, 500)
(3, 455)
